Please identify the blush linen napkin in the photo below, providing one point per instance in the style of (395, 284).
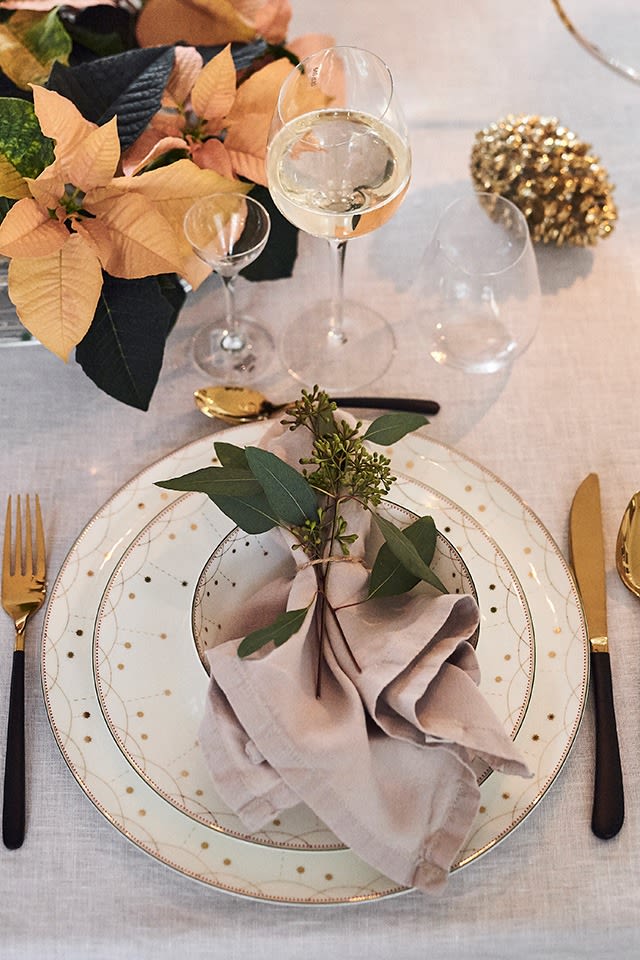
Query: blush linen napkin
(383, 756)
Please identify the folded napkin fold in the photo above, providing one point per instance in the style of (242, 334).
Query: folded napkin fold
(383, 756)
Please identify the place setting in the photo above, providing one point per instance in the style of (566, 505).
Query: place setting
(316, 656)
(178, 743)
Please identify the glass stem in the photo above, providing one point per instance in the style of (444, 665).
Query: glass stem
(336, 321)
(232, 338)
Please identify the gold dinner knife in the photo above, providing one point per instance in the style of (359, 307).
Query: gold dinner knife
(587, 557)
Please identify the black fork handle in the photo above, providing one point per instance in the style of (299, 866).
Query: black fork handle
(13, 809)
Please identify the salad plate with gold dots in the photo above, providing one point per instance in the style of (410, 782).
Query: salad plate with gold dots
(150, 583)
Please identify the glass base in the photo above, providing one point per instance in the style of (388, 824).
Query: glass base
(235, 358)
(313, 354)
(482, 346)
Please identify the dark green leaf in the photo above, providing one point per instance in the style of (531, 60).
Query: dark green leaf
(389, 577)
(102, 30)
(123, 349)
(391, 427)
(405, 551)
(277, 259)
(216, 482)
(252, 514)
(129, 85)
(230, 455)
(278, 632)
(292, 498)
(244, 55)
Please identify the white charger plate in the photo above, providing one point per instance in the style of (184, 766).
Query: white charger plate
(532, 591)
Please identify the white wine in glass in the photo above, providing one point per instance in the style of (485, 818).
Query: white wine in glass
(338, 166)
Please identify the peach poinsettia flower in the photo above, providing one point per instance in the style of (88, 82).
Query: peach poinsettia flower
(80, 219)
(200, 104)
(212, 22)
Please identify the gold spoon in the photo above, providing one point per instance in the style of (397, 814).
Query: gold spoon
(628, 546)
(243, 405)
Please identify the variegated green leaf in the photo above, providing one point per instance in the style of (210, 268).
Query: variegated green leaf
(30, 43)
(24, 151)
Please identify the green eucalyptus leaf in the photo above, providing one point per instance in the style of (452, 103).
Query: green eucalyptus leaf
(391, 427)
(230, 455)
(405, 551)
(389, 577)
(216, 482)
(23, 147)
(278, 632)
(290, 495)
(252, 514)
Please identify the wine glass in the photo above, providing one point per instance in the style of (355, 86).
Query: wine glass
(479, 289)
(229, 231)
(338, 166)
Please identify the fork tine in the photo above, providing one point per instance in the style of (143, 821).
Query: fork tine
(17, 550)
(6, 556)
(41, 557)
(28, 544)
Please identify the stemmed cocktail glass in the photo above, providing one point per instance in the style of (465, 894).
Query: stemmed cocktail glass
(229, 231)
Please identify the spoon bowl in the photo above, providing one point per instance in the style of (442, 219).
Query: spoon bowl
(628, 546)
(244, 405)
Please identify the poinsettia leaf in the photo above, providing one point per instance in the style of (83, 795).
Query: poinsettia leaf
(389, 577)
(405, 551)
(244, 54)
(103, 30)
(290, 495)
(123, 349)
(24, 151)
(30, 43)
(278, 257)
(55, 294)
(173, 290)
(278, 632)
(391, 427)
(128, 85)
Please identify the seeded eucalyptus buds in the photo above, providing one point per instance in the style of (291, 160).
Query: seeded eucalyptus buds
(550, 175)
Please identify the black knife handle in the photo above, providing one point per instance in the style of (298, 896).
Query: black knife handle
(407, 404)
(13, 818)
(608, 797)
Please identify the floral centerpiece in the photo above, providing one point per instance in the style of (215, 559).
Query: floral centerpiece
(114, 118)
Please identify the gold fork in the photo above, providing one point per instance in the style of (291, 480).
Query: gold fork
(23, 592)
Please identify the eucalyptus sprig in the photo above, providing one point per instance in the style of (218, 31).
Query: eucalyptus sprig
(260, 491)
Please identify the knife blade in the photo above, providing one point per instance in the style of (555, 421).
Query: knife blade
(587, 558)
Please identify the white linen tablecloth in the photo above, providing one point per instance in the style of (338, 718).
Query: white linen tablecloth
(77, 889)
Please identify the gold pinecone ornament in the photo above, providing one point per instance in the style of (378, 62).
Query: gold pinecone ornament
(550, 175)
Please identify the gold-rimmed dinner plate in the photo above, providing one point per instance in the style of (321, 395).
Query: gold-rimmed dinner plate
(530, 585)
(149, 668)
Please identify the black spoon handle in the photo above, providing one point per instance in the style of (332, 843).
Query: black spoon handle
(608, 799)
(407, 404)
(13, 816)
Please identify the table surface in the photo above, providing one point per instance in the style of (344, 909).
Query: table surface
(569, 406)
